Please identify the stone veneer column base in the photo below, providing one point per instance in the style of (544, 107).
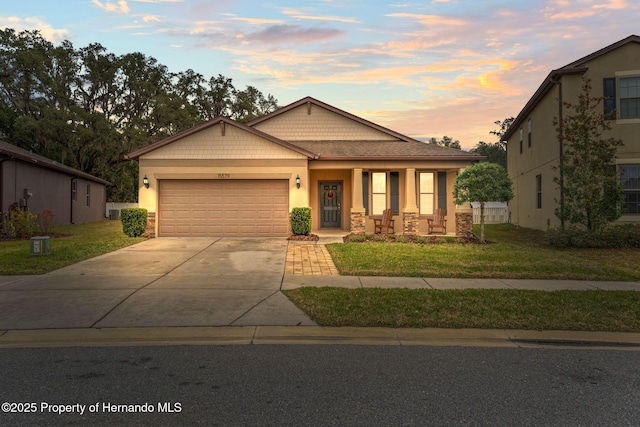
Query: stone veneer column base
(410, 225)
(358, 220)
(464, 224)
(150, 231)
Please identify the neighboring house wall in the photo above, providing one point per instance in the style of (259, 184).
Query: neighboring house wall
(90, 202)
(532, 168)
(40, 182)
(50, 186)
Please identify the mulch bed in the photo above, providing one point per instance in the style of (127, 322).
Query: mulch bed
(392, 238)
(309, 238)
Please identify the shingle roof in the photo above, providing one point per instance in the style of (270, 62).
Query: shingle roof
(377, 150)
(12, 151)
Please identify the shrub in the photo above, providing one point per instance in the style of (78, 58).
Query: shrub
(20, 223)
(46, 220)
(616, 236)
(134, 221)
(301, 221)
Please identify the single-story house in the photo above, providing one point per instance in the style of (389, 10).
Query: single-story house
(30, 181)
(224, 178)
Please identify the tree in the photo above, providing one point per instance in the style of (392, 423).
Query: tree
(503, 126)
(589, 185)
(482, 182)
(494, 153)
(446, 142)
(87, 108)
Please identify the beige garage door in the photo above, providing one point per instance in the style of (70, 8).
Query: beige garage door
(223, 208)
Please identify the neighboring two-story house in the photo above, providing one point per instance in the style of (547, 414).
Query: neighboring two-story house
(533, 148)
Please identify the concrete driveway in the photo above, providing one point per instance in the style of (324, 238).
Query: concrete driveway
(159, 282)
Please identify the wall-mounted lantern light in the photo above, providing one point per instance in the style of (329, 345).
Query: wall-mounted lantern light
(298, 181)
(145, 181)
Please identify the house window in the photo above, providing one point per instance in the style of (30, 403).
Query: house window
(382, 196)
(630, 180)
(609, 93)
(378, 192)
(74, 190)
(539, 191)
(88, 194)
(629, 97)
(520, 140)
(426, 193)
(529, 133)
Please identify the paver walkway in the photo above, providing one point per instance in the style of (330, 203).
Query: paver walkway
(309, 260)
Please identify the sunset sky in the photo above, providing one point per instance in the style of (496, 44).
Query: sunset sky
(422, 68)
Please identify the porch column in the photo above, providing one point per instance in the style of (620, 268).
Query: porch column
(410, 213)
(358, 216)
(464, 219)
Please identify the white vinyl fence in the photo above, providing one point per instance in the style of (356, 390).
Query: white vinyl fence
(494, 213)
(113, 209)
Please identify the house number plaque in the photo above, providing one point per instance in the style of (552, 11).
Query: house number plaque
(224, 175)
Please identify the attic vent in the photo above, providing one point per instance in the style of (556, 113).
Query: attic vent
(308, 107)
(222, 129)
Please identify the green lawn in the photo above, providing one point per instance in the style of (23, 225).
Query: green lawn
(472, 308)
(83, 241)
(514, 253)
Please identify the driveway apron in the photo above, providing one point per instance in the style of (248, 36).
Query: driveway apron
(159, 282)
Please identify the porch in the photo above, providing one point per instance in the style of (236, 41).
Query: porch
(345, 201)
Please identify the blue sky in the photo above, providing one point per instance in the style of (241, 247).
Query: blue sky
(422, 68)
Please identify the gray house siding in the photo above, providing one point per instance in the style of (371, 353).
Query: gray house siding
(37, 183)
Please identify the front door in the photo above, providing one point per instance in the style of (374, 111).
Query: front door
(330, 203)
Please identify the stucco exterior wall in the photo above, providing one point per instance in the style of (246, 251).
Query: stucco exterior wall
(543, 155)
(287, 169)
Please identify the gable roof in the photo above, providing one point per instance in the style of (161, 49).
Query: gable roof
(401, 148)
(213, 122)
(576, 67)
(11, 151)
(313, 101)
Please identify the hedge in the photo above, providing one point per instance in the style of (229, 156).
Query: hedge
(301, 221)
(134, 221)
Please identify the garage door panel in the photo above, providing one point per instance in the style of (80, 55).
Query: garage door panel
(223, 208)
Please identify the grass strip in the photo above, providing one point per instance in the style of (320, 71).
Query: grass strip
(514, 253)
(83, 241)
(615, 311)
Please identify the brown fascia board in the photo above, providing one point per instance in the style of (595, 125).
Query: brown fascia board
(331, 108)
(49, 164)
(471, 158)
(575, 67)
(198, 128)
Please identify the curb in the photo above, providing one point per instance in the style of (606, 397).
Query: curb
(314, 335)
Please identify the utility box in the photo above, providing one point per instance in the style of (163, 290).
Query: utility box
(40, 245)
(114, 214)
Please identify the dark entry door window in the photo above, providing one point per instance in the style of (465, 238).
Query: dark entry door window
(330, 203)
